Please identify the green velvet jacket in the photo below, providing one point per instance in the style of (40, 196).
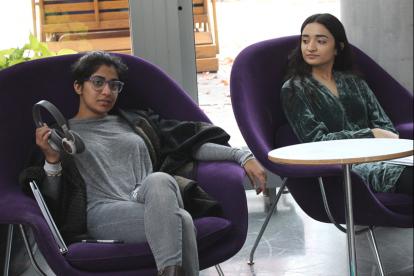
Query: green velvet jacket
(315, 114)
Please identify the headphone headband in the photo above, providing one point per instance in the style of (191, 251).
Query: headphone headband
(52, 109)
(69, 140)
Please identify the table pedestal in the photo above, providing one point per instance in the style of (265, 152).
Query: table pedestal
(349, 217)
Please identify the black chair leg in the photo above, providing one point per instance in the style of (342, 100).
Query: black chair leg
(269, 214)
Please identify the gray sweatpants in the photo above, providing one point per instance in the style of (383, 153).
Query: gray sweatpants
(158, 218)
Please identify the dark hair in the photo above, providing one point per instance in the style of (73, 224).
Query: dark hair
(90, 62)
(297, 66)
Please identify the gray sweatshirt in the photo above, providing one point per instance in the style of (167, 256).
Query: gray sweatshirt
(116, 159)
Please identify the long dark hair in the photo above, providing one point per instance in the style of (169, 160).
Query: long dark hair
(297, 67)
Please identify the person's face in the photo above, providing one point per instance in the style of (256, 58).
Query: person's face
(318, 46)
(95, 100)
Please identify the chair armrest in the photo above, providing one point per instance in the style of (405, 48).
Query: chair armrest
(224, 182)
(24, 208)
(405, 130)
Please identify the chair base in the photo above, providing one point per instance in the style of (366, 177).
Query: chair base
(219, 271)
(370, 229)
(269, 214)
(8, 250)
(371, 237)
(33, 261)
(28, 249)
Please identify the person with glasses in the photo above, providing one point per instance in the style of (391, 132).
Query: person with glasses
(131, 196)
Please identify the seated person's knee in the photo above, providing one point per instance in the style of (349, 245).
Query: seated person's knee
(160, 180)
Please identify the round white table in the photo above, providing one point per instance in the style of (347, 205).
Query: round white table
(344, 152)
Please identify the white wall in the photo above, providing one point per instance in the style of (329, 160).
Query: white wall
(15, 23)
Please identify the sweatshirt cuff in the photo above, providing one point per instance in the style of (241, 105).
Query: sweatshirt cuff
(245, 156)
(53, 169)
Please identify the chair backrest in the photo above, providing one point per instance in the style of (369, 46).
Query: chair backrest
(256, 80)
(22, 85)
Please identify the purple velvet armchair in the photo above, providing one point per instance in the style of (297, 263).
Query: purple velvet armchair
(256, 81)
(24, 84)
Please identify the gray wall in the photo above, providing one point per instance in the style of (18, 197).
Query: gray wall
(162, 32)
(383, 29)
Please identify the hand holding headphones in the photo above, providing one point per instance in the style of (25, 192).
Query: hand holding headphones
(62, 138)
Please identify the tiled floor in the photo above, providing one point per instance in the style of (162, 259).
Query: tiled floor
(295, 244)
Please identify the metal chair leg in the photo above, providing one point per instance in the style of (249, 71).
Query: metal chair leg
(8, 250)
(329, 214)
(269, 214)
(371, 237)
(219, 271)
(30, 253)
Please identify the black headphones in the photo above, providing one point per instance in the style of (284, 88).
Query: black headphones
(62, 138)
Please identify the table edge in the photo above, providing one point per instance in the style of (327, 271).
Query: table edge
(341, 161)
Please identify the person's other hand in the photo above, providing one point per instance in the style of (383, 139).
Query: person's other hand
(382, 133)
(42, 137)
(256, 174)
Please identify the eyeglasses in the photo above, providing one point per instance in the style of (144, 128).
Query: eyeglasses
(98, 83)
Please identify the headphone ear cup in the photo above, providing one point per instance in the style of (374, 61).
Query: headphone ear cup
(68, 146)
(77, 141)
(71, 145)
(55, 140)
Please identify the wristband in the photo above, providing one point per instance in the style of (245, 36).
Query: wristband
(53, 169)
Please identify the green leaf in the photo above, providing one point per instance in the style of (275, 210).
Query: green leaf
(16, 61)
(33, 42)
(66, 52)
(44, 50)
(3, 62)
(17, 54)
